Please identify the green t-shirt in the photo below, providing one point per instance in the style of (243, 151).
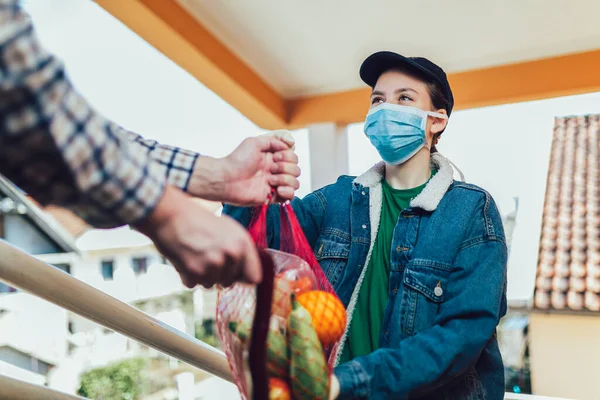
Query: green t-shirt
(363, 334)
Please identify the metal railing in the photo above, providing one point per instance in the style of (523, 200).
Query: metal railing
(40, 279)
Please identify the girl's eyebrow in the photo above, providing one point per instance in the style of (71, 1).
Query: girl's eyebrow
(401, 90)
(406, 89)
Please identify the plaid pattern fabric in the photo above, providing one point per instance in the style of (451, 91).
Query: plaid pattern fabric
(58, 149)
(175, 163)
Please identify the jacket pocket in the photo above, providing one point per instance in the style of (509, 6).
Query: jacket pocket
(425, 289)
(333, 258)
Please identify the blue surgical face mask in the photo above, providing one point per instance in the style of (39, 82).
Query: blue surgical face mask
(397, 132)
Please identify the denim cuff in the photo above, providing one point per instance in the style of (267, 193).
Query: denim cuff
(354, 381)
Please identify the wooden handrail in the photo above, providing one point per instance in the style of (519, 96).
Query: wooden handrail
(15, 389)
(23, 271)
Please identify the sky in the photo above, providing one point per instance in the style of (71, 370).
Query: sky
(504, 149)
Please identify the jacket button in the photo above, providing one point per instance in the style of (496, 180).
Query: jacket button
(363, 193)
(438, 291)
(364, 226)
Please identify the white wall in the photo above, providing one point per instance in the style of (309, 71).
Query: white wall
(328, 153)
(33, 326)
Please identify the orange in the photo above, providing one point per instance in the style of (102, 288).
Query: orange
(279, 390)
(328, 315)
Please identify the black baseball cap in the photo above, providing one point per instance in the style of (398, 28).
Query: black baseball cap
(380, 62)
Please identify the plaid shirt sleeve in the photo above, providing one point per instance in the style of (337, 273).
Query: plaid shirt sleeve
(59, 150)
(175, 163)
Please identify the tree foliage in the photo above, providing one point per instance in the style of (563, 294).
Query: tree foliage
(120, 381)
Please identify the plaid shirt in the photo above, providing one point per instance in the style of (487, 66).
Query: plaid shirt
(58, 149)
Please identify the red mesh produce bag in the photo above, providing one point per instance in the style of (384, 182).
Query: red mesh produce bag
(261, 335)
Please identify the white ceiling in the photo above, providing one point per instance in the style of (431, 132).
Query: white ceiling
(304, 47)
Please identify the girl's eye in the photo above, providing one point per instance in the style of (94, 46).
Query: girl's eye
(376, 100)
(405, 98)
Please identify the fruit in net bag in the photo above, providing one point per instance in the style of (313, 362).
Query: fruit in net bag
(309, 373)
(282, 288)
(278, 352)
(287, 282)
(236, 305)
(328, 315)
(279, 390)
(303, 284)
(293, 271)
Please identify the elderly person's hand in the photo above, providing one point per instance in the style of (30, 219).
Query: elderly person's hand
(205, 249)
(247, 176)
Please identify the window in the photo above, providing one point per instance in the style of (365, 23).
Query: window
(24, 361)
(107, 269)
(64, 267)
(140, 265)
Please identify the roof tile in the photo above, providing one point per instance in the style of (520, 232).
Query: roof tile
(568, 273)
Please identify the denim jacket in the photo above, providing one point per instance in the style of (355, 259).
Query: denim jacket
(447, 289)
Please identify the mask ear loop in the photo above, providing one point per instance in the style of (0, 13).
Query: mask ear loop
(436, 115)
(462, 176)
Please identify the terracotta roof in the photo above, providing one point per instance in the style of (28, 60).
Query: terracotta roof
(568, 274)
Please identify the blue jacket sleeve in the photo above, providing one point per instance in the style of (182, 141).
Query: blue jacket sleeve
(310, 212)
(460, 332)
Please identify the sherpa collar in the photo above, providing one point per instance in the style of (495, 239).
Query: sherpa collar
(433, 192)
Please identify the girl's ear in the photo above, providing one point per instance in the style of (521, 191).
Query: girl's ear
(439, 124)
